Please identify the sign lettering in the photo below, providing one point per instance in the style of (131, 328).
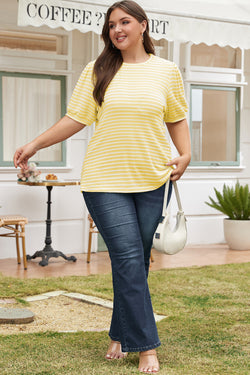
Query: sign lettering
(70, 15)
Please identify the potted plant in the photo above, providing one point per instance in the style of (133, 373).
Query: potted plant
(234, 202)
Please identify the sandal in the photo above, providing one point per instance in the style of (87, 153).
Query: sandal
(152, 365)
(115, 351)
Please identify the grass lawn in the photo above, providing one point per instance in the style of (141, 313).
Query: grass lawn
(206, 331)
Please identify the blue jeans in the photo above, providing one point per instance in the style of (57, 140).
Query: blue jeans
(127, 222)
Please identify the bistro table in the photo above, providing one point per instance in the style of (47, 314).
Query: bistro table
(48, 252)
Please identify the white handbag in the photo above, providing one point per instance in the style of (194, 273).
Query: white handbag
(167, 240)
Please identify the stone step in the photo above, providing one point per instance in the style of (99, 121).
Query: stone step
(16, 316)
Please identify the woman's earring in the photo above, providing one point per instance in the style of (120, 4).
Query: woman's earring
(142, 36)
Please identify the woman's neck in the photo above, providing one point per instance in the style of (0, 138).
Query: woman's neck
(133, 57)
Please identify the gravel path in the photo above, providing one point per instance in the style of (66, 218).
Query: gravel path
(60, 314)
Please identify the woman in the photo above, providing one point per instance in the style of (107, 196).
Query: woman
(129, 93)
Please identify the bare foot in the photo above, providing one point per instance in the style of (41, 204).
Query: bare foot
(115, 351)
(148, 362)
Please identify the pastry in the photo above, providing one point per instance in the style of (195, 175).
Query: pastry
(51, 176)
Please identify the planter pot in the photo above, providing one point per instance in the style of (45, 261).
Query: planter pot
(237, 234)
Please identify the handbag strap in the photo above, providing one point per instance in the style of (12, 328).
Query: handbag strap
(164, 208)
(177, 196)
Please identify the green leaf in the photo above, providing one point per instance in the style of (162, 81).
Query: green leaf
(234, 201)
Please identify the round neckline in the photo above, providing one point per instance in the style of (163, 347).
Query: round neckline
(139, 63)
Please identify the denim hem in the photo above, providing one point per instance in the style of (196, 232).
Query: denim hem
(141, 348)
(114, 338)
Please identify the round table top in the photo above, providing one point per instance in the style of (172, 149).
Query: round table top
(49, 183)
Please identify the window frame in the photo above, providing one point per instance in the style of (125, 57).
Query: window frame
(62, 80)
(237, 91)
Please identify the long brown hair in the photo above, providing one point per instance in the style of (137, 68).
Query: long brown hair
(110, 60)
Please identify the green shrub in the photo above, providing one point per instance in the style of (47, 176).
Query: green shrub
(234, 201)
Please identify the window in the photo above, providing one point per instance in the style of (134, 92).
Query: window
(213, 78)
(162, 48)
(27, 41)
(214, 122)
(34, 68)
(215, 56)
(29, 104)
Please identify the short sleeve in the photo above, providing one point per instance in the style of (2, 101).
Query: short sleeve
(82, 106)
(176, 106)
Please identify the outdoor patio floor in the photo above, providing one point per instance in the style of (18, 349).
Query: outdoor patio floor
(198, 255)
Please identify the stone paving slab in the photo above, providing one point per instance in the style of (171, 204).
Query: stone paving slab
(55, 293)
(158, 318)
(39, 297)
(90, 299)
(16, 316)
(5, 301)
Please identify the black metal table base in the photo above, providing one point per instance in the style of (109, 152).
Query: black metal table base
(48, 252)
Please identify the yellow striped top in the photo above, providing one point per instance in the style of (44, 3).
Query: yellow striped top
(129, 149)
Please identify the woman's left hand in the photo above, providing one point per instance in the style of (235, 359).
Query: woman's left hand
(180, 163)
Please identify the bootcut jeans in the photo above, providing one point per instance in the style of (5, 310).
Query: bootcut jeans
(127, 222)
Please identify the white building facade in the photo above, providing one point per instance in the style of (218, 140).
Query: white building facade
(43, 48)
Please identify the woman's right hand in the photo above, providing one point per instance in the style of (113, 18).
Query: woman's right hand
(23, 154)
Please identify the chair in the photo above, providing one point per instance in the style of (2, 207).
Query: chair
(15, 227)
(93, 229)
